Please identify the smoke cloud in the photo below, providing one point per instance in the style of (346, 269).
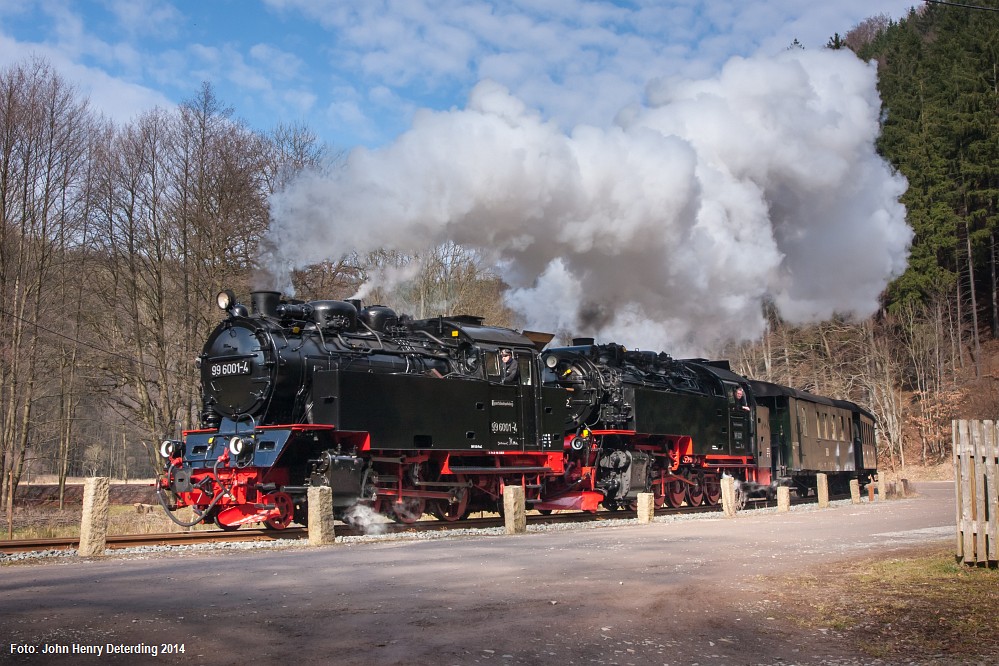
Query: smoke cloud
(666, 231)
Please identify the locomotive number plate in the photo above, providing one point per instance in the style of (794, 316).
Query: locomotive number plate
(230, 368)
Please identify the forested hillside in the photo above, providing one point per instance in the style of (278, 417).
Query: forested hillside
(115, 239)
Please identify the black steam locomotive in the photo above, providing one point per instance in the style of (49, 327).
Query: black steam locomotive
(439, 415)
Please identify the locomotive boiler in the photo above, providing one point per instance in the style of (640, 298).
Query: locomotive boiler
(411, 416)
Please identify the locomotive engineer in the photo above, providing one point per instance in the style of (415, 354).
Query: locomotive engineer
(510, 369)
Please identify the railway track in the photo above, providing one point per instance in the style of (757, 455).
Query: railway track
(118, 542)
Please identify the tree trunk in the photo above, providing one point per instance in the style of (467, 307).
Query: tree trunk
(974, 305)
(958, 304)
(995, 297)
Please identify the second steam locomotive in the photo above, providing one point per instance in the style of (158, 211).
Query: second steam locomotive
(439, 415)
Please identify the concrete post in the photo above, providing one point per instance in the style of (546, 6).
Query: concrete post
(822, 486)
(882, 487)
(96, 508)
(646, 507)
(514, 511)
(783, 499)
(321, 529)
(728, 496)
(855, 491)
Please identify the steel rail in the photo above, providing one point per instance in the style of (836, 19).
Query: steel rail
(118, 542)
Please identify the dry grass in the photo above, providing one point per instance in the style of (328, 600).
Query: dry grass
(941, 472)
(923, 606)
(46, 522)
(133, 511)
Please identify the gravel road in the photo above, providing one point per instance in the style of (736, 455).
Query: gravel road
(673, 592)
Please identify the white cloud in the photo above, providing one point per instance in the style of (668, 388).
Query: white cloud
(577, 61)
(302, 100)
(117, 99)
(147, 18)
(281, 64)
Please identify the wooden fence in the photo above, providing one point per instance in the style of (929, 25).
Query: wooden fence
(976, 476)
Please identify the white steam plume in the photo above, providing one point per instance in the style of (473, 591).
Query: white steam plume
(666, 231)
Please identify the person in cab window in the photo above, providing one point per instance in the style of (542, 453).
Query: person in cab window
(510, 369)
(740, 398)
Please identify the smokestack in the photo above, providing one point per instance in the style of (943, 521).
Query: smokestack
(265, 302)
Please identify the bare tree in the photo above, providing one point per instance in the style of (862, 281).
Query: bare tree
(295, 148)
(448, 279)
(336, 279)
(180, 206)
(75, 261)
(44, 125)
(136, 249)
(866, 31)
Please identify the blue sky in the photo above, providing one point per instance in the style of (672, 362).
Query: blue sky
(357, 71)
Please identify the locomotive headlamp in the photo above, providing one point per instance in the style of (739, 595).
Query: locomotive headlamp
(551, 361)
(582, 440)
(168, 448)
(226, 299)
(240, 445)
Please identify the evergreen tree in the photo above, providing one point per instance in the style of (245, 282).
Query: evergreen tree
(939, 83)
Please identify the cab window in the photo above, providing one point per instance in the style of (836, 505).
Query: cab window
(524, 361)
(492, 366)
